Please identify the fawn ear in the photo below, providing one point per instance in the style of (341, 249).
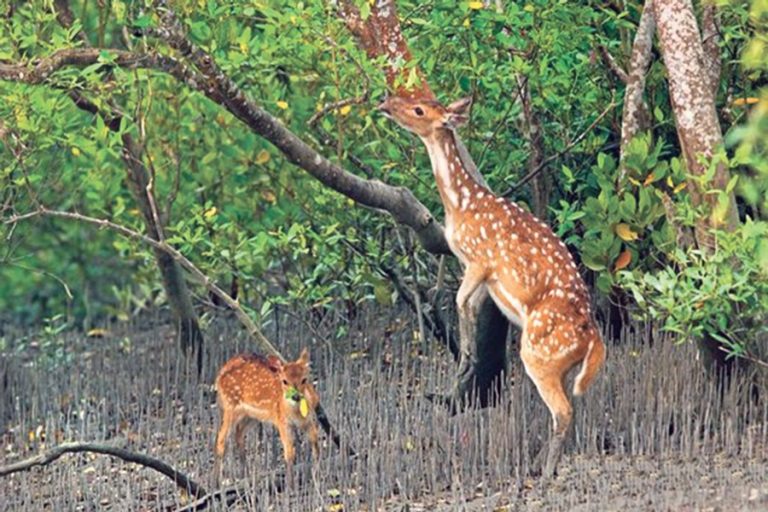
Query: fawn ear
(304, 357)
(274, 364)
(457, 112)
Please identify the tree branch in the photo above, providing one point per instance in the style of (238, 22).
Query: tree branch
(380, 36)
(114, 449)
(611, 64)
(635, 117)
(42, 69)
(398, 201)
(217, 86)
(563, 151)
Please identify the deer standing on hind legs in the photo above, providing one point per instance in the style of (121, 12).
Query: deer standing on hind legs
(525, 267)
(251, 387)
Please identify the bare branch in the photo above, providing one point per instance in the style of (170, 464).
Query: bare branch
(75, 57)
(114, 449)
(362, 98)
(563, 151)
(185, 263)
(336, 105)
(611, 63)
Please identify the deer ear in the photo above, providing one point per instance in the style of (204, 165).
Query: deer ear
(461, 106)
(274, 364)
(304, 357)
(458, 112)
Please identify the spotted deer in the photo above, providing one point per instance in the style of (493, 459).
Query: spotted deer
(525, 267)
(251, 387)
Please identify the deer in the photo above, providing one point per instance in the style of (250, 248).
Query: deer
(251, 388)
(524, 266)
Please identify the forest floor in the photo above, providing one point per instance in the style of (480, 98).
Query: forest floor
(653, 433)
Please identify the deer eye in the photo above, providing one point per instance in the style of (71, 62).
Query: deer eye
(285, 382)
(303, 381)
(419, 111)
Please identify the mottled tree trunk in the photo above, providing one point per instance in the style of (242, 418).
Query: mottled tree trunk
(693, 75)
(635, 118)
(710, 41)
(541, 184)
(693, 103)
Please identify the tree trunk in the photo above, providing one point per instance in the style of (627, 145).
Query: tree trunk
(189, 335)
(693, 103)
(692, 76)
(187, 324)
(541, 184)
(482, 354)
(635, 118)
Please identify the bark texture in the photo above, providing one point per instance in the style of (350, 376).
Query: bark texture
(693, 104)
(710, 41)
(541, 183)
(692, 85)
(380, 35)
(635, 118)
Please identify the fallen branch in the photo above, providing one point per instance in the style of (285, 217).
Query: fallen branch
(114, 449)
(226, 497)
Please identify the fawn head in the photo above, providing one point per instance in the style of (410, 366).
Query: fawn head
(425, 117)
(294, 377)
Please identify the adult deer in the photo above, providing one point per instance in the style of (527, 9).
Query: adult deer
(525, 267)
(251, 387)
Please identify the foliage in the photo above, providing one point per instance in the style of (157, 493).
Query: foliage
(622, 219)
(247, 218)
(721, 294)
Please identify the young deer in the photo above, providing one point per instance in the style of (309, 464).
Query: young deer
(525, 267)
(251, 387)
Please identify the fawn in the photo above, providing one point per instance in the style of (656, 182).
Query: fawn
(252, 387)
(524, 266)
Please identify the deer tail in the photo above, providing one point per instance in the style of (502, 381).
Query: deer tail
(590, 366)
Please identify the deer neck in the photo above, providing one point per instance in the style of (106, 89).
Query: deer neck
(457, 179)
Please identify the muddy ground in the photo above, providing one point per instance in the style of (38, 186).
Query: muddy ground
(654, 433)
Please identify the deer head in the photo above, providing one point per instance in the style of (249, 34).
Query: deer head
(425, 117)
(294, 377)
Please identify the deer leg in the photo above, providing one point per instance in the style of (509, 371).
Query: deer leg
(474, 276)
(549, 384)
(240, 430)
(312, 433)
(289, 451)
(227, 420)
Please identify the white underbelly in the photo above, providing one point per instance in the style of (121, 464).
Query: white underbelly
(509, 305)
